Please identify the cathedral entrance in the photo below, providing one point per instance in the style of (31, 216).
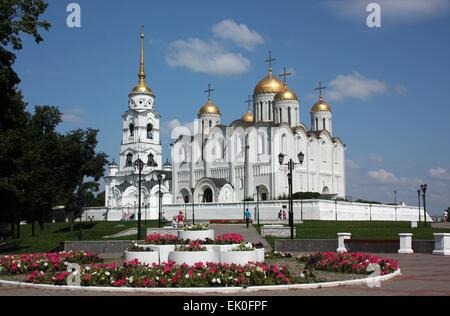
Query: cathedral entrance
(207, 196)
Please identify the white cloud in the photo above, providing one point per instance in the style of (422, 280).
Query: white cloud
(383, 176)
(439, 173)
(206, 57)
(175, 128)
(354, 86)
(74, 116)
(240, 34)
(394, 10)
(376, 158)
(351, 164)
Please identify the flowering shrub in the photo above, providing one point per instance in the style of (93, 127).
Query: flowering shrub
(20, 264)
(244, 247)
(137, 248)
(230, 238)
(356, 263)
(133, 274)
(196, 227)
(159, 239)
(192, 246)
(278, 254)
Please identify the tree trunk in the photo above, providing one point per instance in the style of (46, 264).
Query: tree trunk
(18, 229)
(13, 230)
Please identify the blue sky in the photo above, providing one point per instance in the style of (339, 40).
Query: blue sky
(388, 87)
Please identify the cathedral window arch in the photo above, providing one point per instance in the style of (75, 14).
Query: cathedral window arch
(129, 161)
(324, 127)
(284, 145)
(131, 128)
(261, 143)
(281, 116)
(149, 131)
(289, 116)
(317, 124)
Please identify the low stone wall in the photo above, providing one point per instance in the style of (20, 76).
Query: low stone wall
(99, 247)
(276, 231)
(372, 246)
(305, 245)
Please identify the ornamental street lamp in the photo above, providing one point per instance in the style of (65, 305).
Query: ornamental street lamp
(139, 165)
(193, 211)
(291, 165)
(424, 188)
(257, 200)
(418, 200)
(159, 177)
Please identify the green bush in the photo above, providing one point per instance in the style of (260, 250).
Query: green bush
(306, 195)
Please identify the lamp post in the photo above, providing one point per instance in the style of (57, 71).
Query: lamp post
(291, 165)
(193, 211)
(139, 165)
(418, 200)
(424, 188)
(159, 177)
(257, 201)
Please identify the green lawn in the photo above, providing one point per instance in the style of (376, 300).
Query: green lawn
(361, 230)
(56, 233)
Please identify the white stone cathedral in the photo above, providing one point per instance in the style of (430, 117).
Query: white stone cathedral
(140, 140)
(226, 163)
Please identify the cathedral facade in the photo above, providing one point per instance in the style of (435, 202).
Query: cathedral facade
(140, 142)
(236, 162)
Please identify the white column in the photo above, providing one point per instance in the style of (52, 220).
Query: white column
(405, 243)
(341, 241)
(441, 244)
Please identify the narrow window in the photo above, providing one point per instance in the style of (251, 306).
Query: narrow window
(289, 116)
(131, 127)
(324, 124)
(129, 162)
(149, 131)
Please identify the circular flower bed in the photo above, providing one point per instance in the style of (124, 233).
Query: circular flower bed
(133, 274)
(143, 255)
(355, 263)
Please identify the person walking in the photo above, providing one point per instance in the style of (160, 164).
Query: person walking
(284, 215)
(180, 219)
(174, 222)
(248, 217)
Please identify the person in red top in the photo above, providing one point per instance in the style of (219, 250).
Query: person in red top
(180, 219)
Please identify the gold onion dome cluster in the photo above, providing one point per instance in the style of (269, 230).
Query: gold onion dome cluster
(321, 106)
(285, 95)
(269, 84)
(209, 108)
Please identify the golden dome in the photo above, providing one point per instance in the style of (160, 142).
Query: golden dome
(247, 117)
(269, 84)
(209, 108)
(142, 88)
(321, 106)
(285, 95)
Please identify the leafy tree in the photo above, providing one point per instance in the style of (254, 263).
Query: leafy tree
(16, 17)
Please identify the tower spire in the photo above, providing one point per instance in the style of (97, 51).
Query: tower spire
(141, 74)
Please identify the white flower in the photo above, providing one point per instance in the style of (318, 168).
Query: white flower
(107, 273)
(87, 268)
(248, 273)
(131, 279)
(302, 275)
(187, 276)
(66, 263)
(45, 264)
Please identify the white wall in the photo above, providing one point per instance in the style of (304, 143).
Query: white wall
(307, 210)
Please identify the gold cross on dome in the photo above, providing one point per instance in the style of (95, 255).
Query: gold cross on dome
(209, 91)
(320, 88)
(270, 60)
(249, 102)
(285, 74)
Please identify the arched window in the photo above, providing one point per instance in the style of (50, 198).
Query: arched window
(131, 127)
(210, 123)
(261, 144)
(151, 160)
(260, 111)
(324, 124)
(289, 116)
(281, 116)
(284, 145)
(129, 162)
(149, 131)
(270, 110)
(317, 124)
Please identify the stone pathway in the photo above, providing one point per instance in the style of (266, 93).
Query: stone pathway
(250, 234)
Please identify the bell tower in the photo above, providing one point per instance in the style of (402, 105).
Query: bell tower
(141, 125)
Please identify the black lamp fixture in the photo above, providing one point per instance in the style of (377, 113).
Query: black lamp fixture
(193, 211)
(424, 188)
(159, 177)
(291, 165)
(139, 166)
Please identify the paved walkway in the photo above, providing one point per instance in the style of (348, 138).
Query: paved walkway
(250, 234)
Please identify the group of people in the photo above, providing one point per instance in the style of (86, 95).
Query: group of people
(282, 216)
(178, 220)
